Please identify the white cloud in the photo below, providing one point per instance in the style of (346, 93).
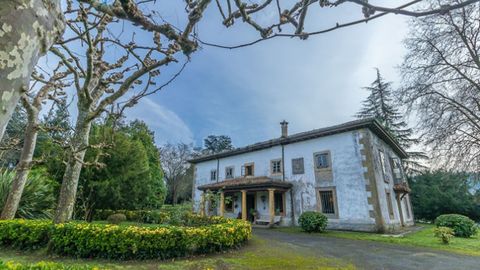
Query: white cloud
(168, 126)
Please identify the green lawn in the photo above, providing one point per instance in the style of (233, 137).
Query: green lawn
(257, 254)
(422, 238)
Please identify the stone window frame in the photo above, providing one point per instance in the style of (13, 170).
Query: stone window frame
(383, 165)
(280, 166)
(244, 169)
(233, 172)
(388, 198)
(213, 175)
(300, 171)
(329, 159)
(335, 201)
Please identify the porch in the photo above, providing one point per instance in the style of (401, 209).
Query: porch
(261, 200)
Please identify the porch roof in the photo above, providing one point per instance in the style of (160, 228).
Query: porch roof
(247, 183)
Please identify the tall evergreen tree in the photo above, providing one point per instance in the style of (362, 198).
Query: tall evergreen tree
(381, 106)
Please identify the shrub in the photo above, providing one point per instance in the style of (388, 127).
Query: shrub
(116, 218)
(37, 198)
(25, 234)
(126, 242)
(462, 226)
(313, 221)
(10, 265)
(167, 214)
(444, 233)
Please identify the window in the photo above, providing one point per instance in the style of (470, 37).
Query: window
(381, 156)
(328, 204)
(322, 160)
(248, 169)
(276, 166)
(229, 200)
(297, 166)
(279, 204)
(213, 175)
(395, 165)
(228, 172)
(389, 204)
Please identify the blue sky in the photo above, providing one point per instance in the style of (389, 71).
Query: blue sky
(245, 93)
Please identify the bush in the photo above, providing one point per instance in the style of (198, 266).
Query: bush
(10, 265)
(313, 221)
(167, 214)
(444, 233)
(37, 198)
(25, 234)
(116, 218)
(126, 242)
(462, 226)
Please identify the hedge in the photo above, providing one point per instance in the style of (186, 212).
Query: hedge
(10, 265)
(313, 221)
(88, 240)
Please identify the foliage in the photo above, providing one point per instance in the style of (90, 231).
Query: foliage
(167, 214)
(313, 221)
(442, 192)
(217, 144)
(381, 106)
(37, 200)
(128, 173)
(444, 233)
(116, 218)
(10, 144)
(462, 226)
(10, 265)
(25, 234)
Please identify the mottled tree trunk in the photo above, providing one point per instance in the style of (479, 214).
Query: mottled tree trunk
(23, 166)
(27, 30)
(78, 148)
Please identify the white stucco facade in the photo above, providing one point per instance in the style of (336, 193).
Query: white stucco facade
(354, 167)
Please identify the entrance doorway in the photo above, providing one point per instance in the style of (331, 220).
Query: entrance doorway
(250, 206)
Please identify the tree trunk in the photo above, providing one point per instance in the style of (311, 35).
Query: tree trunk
(68, 191)
(23, 167)
(27, 30)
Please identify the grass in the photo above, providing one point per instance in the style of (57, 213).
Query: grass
(422, 238)
(257, 254)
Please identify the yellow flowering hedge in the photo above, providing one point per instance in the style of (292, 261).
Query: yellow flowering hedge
(10, 265)
(90, 240)
(25, 234)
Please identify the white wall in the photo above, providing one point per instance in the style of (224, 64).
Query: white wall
(347, 171)
(383, 186)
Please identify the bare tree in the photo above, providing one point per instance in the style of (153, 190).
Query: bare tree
(32, 102)
(175, 166)
(441, 83)
(29, 28)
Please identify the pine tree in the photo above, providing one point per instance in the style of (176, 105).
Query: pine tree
(381, 106)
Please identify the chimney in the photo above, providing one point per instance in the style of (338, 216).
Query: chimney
(284, 125)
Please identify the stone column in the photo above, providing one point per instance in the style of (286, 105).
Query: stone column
(244, 205)
(222, 203)
(400, 211)
(271, 204)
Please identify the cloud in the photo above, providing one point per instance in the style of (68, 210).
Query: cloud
(168, 126)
